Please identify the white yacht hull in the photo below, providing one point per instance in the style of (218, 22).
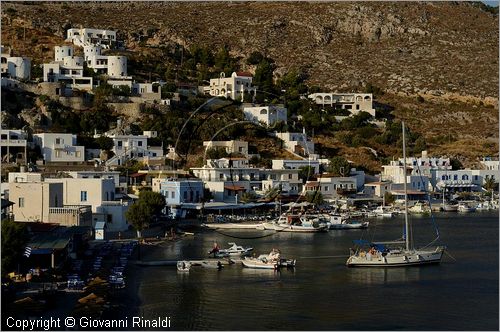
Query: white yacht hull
(294, 228)
(231, 226)
(415, 257)
(258, 264)
(350, 226)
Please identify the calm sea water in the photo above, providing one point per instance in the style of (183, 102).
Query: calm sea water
(322, 293)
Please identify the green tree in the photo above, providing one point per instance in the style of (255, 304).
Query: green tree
(255, 58)
(339, 166)
(104, 143)
(315, 197)
(389, 198)
(489, 184)
(248, 197)
(139, 215)
(263, 77)
(216, 153)
(14, 239)
(456, 164)
(420, 145)
(155, 201)
(306, 173)
(272, 193)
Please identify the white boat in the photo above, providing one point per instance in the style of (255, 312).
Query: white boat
(485, 206)
(396, 253)
(447, 207)
(420, 207)
(271, 261)
(183, 266)
(234, 250)
(383, 212)
(297, 224)
(338, 222)
(230, 226)
(465, 208)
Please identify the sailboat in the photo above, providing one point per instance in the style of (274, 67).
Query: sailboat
(393, 253)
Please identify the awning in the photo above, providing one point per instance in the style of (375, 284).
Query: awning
(235, 188)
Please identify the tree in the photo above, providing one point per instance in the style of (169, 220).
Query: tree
(216, 153)
(420, 145)
(306, 173)
(104, 143)
(255, 58)
(456, 164)
(153, 200)
(339, 166)
(263, 77)
(272, 193)
(248, 197)
(315, 197)
(139, 215)
(14, 239)
(388, 198)
(489, 184)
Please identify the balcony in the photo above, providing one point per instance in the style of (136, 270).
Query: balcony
(14, 142)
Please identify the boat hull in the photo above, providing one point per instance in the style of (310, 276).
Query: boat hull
(257, 264)
(294, 229)
(350, 226)
(408, 259)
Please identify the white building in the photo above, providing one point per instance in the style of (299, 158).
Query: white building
(463, 179)
(234, 87)
(115, 176)
(127, 147)
(297, 143)
(296, 164)
(67, 68)
(13, 146)
(177, 192)
(490, 164)
(268, 115)
(99, 194)
(230, 147)
(59, 147)
(229, 178)
(332, 187)
(33, 200)
(352, 102)
(91, 37)
(14, 67)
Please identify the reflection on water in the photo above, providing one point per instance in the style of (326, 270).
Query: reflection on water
(322, 293)
(381, 276)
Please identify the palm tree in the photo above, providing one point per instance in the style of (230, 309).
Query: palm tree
(489, 185)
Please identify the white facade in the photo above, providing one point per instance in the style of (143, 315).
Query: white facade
(295, 164)
(67, 68)
(59, 147)
(332, 187)
(489, 164)
(17, 177)
(177, 192)
(268, 115)
(34, 199)
(463, 179)
(297, 143)
(234, 87)
(86, 37)
(13, 146)
(127, 147)
(353, 102)
(230, 147)
(14, 66)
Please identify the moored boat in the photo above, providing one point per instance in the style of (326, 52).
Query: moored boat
(234, 250)
(183, 266)
(465, 208)
(271, 261)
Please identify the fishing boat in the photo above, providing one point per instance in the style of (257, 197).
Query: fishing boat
(338, 222)
(465, 208)
(183, 266)
(296, 224)
(383, 212)
(420, 207)
(271, 261)
(233, 250)
(396, 253)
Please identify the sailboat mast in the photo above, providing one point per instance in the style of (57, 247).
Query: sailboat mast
(407, 229)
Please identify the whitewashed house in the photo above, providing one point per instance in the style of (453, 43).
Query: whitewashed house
(91, 37)
(14, 67)
(14, 146)
(352, 102)
(67, 68)
(297, 143)
(230, 147)
(296, 164)
(59, 147)
(127, 147)
(235, 87)
(269, 115)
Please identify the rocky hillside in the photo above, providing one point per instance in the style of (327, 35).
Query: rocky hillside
(410, 47)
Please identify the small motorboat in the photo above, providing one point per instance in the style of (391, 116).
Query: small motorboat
(234, 250)
(183, 266)
(465, 208)
(271, 261)
(337, 222)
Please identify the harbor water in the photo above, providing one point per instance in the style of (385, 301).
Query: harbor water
(461, 293)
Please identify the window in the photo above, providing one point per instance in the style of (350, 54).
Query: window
(173, 194)
(120, 144)
(58, 153)
(289, 176)
(455, 177)
(465, 177)
(185, 195)
(221, 176)
(21, 202)
(139, 143)
(58, 140)
(326, 188)
(166, 194)
(83, 196)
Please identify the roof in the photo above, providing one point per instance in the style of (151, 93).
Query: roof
(49, 241)
(312, 184)
(137, 175)
(378, 183)
(244, 73)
